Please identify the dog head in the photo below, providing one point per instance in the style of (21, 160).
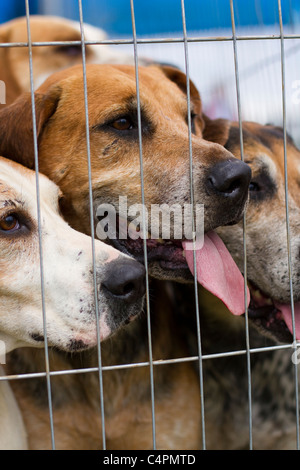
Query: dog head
(48, 59)
(266, 228)
(220, 181)
(67, 269)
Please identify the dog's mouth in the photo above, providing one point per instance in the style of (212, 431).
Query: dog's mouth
(168, 253)
(216, 269)
(272, 317)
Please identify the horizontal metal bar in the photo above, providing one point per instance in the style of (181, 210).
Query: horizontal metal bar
(159, 362)
(151, 40)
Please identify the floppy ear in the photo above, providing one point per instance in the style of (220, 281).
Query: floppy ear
(5, 31)
(270, 133)
(177, 76)
(216, 130)
(16, 125)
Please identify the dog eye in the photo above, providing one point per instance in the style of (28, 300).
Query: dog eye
(71, 50)
(62, 205)
(193, 127)
(122, 124)
(193, 122)
(10, 223)
(254, 187)
(262, 186)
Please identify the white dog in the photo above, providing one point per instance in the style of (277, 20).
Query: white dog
(69, 297)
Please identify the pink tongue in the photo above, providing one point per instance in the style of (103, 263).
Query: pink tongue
(287, 315)
(217, 272)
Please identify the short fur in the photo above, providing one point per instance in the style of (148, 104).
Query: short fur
(67, 278)
(115, 159)
(115, 162)
(272, 373)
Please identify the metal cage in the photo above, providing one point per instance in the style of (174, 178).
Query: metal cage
(185, 41)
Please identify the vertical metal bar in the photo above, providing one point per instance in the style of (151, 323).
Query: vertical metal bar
(290, 268)
(48, 381)
(244, 223)
(92, 221)
(143, 219)
(187, 69)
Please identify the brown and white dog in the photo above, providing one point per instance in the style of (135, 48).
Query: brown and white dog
(221, 184)
(270, 320)
(266, 226)
(220, 180)
(47, 59)
(69, 298)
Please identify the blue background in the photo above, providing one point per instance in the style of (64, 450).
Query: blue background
(160, 16)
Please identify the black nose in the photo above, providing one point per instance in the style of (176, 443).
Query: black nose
(125, 280)
(229, 179)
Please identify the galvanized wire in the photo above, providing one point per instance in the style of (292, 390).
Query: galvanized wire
(39, 218)
(144, 221)
(248, 351)
(240, 352)
(154, 40)
(91, 206)
(237, 79)
(288, 231)
(187, 71)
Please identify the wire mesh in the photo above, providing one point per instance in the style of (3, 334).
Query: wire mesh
(144, 219)
(39, 225)
(135, 43)
(288, 232)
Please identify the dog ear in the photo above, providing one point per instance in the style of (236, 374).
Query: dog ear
(4, 32)
(178, 77)
(270, 133)
(16, 125)
(216, 130)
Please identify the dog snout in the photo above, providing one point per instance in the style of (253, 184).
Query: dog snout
(229, 179)
(125, 280)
